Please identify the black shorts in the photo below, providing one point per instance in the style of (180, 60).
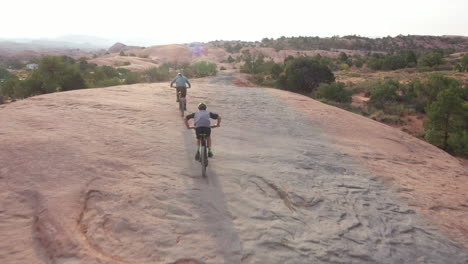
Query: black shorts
(202, 130)
(183, 91)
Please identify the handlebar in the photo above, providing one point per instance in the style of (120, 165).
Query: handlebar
(210, 127)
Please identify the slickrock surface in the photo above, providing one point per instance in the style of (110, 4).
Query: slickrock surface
(108, 176)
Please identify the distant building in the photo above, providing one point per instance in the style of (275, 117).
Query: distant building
(32, 66)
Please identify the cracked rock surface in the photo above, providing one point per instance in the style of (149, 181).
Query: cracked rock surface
(108, 176)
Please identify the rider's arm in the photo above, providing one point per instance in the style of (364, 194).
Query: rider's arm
(217, 117)
(189, 85)
(172, 82)
(187, 119)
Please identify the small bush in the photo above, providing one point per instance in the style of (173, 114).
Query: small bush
(458, 143)
(158, 74)
(222, 68)
(203, 69)
(335, 92)
(385, 94)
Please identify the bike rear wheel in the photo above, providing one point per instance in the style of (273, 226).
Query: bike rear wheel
(181, 106)
(204, 156)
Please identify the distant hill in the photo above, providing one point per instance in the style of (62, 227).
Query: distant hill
(353, 42)
(38, 47)
(118, 47)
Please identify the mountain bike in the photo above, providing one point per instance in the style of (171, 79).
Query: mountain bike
(182, 104)
(203, 151)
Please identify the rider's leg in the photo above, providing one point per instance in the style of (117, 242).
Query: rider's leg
(208, 142)
(177, 94)
(183, 94)
(197, 155)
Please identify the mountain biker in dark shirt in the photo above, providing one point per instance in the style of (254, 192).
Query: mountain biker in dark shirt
(181, 82)
(203, 125)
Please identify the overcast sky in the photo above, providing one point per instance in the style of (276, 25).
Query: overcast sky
(152, 22)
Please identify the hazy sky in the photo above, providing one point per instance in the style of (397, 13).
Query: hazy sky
(147, 22)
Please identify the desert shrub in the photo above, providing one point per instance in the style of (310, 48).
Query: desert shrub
(304, 74)
(385, 94)
(344, 66)
(375, 62)
(464, 63)
(158, 74)
(122, 53)
(384, 117)
(230, 59)
(252, 62)
(430, 59)
(335, 92)
(122, 63)
(132, 77)
(458, 143)
(9, 86)
(257, 78)
(365, 86)
(222, 68)
(203, 69)
(107, 82)
(358, 61)
(276, 70)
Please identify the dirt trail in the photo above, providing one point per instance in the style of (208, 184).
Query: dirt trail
(108, 176)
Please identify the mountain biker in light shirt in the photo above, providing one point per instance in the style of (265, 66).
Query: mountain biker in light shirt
(181, 82)
(203, 126)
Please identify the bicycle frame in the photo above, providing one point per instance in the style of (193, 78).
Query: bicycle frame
(182, 104)
(204, 152)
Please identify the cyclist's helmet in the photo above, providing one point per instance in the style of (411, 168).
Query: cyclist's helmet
(202, 106)
(180, 74)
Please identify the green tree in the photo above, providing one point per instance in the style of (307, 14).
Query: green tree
(4, 74)
(374, 62)
(464, 63)
(72, 79)
(304, 74)
(9, 86)
(425, 92)
(447, 117)
(411, 58)
(56, 74)
(343, 57)
(275, 71)
(385, 94)
(255, 63)
(430, 59)
(50, 74)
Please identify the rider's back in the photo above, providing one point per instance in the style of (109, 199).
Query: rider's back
(180, 81)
